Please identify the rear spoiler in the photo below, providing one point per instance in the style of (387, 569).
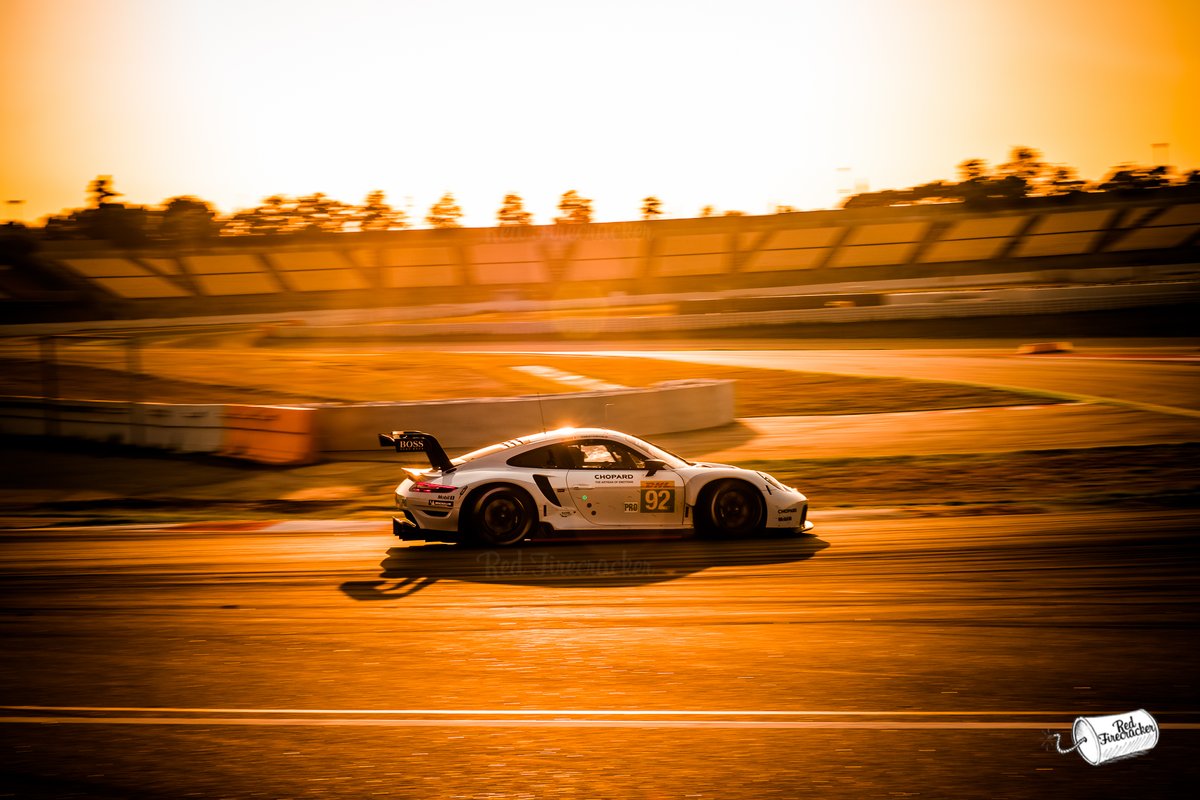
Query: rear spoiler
(417, 442)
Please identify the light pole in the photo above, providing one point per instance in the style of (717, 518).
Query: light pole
(14, 208)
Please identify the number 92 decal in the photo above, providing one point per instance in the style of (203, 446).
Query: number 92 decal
(658, 501)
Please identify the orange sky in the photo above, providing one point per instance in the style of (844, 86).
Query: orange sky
(740, 105)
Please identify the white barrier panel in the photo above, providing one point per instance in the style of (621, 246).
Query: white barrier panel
(667, 407)
(22, 416)
(94, 420)
(183, 428)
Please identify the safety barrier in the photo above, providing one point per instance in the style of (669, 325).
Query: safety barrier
(297, 435)
(183, 428)
(264, 434)
(269, 434)
(95, 420)
(668, 407)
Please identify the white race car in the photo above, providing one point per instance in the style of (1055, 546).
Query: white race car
(580, 481)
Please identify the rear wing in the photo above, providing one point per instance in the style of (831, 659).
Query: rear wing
(417, 442)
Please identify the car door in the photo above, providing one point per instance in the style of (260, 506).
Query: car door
(611, 486)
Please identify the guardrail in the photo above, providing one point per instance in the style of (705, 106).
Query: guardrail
(299, 434)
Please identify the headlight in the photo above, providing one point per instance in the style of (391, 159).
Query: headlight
(774, 483)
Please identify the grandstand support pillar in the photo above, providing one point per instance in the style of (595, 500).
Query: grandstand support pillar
(463, 266)
(836, 245)
(648, 257)
(742, 256)
(1010, 246)
(936, 228)
(48, 359)
(133, 366)
(1192, 241)
(1123, 223)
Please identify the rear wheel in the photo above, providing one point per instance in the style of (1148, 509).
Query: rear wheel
(502, 516)
(731, 508)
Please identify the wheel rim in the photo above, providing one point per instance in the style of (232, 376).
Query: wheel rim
(502, 519)
(734, 511)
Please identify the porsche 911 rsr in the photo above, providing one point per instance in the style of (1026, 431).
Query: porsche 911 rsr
(577, 481)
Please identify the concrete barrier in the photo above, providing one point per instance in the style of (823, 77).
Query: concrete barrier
(269, 434)
(183, 428)
(668, 407)
(297, 435)
(94, 420)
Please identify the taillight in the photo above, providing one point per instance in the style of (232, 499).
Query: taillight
(433, 488)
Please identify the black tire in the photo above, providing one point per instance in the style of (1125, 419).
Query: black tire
(502, 516)
(731, 508)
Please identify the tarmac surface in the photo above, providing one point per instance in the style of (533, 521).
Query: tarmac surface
(883, 657)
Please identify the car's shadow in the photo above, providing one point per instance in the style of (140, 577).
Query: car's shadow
(407, 570)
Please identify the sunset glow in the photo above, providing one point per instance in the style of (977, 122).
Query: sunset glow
(741, 106)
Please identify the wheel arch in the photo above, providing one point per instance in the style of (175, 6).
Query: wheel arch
(466, 513)
(700, 518)
(699, 484)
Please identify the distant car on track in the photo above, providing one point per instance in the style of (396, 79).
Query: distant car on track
(578, 481)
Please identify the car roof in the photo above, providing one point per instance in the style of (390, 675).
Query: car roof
(509, 448)
(565, 434)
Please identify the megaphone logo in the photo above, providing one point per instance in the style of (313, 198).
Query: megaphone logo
(1103, 739)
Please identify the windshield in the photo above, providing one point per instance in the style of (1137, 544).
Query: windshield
(666, 456)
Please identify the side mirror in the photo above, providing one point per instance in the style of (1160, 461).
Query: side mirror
(653, 465)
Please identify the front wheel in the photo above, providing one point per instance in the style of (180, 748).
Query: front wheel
(731, 508)
(502, 516)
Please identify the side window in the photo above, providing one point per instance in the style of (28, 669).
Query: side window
(538, 458)
(600, 454)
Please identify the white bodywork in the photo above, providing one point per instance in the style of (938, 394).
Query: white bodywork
(584, 479)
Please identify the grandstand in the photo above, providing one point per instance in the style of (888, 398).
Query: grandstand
(245, 275)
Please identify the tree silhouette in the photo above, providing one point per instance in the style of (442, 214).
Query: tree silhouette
(512, 212)
(101, 189)
(575, 210)
(319, 213)
(651, 208)
(1024, 164)
(973, 169)
(375, 214)
(187, 219)
(273, 216)
(445, 213)
(1130, 179)
(1061, 180)
(708, 211)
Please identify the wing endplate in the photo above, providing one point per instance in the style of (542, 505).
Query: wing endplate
(418, 442)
